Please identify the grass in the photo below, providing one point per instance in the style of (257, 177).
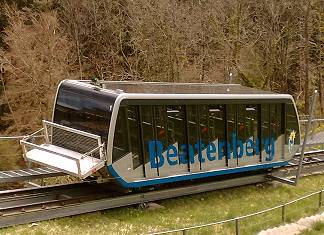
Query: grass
(316, 229)
(183, 211)
(191, 210)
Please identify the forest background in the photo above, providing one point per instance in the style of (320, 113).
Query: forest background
(269, 44)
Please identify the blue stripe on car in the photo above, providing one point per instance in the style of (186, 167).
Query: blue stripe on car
(171, 179)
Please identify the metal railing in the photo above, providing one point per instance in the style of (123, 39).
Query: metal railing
(86, 144)
(316, 133)
(237, 220)
(73, 139)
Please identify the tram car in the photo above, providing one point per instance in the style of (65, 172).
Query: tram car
(151, 133)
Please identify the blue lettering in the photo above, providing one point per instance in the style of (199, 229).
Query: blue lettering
(249, 146)
(235, 148)
(269, 148)
(200, 146)
(237, 144)
(211, 148)
(155, 151)
(171, 153)
(221, 149)
(183, 159)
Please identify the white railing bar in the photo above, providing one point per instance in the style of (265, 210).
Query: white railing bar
(314, 144)
(19, 137)
(79, 168)
(314, 120)
(48, 150)
(310, 152)
(101, 149)
(194, 227)
(239, 217)
(258, 212)
(71, 130)
(13, 137)
(302, 198)
(32, 135)
(46, 133)
(93, 150)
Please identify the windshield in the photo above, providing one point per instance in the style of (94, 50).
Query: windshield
(84, 109)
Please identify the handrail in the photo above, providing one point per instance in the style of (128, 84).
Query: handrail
(48, 150)
(93, 150)
(238, 218)
(313, 120)
(71, 129)
(61, 154)
(27, 137)
(28, 141)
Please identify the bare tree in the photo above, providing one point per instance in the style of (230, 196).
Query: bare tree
(37, 61)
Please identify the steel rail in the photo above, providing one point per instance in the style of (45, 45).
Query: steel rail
(22, 206)
(25, 215)
(15, 202)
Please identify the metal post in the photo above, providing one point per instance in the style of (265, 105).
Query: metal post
(313, 130)
(45, 133)
(283, 213)
(237, 227)
(79, 167)
(24, 152)
(184, 232)
(320, 203)
(311, 113)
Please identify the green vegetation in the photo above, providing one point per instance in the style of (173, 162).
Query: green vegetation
(189, 210)
(317, 229)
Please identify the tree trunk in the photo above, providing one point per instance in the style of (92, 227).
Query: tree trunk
(320, 68)
(320, 92)
(306, 56)
(5, 94)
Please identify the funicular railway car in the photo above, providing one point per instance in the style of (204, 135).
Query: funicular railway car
(146, 134)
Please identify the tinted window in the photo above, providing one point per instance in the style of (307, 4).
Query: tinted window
(231, 125)
(83, 112)
(275, 120)
(146, 114)
(192, 122)
(252, 124)
(176, 124)
(161, 124)
(121, 144)
(135, 135)
(216, 122)
(204, 131)
(292, 127)
(265, 129)
(241, 125)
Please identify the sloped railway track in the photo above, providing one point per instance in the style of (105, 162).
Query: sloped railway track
(36, 204)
